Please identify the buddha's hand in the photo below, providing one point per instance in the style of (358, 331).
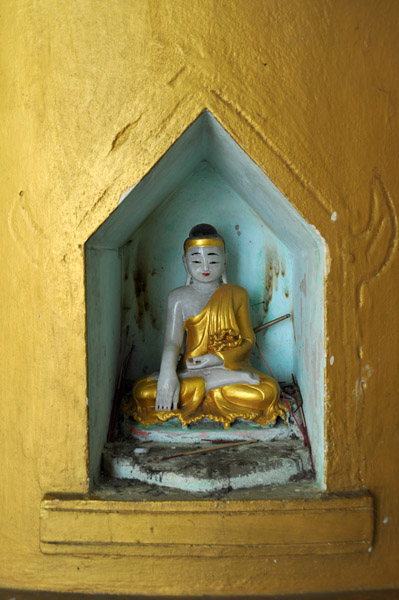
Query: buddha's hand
(206, 360)
(168, 389)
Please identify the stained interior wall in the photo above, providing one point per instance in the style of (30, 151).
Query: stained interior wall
(308, 252)
(274, 265)
(103, 315)
(153, 266)
(309, 271)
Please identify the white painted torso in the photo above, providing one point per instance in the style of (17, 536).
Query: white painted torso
(191, 300)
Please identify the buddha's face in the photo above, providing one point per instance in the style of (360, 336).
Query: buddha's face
(205, 264)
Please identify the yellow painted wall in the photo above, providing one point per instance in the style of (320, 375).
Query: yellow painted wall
(92, 94)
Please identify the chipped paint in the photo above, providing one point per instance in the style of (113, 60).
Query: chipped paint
(126, 193)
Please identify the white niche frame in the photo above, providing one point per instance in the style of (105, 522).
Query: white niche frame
(205, 142)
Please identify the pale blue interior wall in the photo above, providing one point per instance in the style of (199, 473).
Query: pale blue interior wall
(307, 250)
(309, 353)
(103, 294)
(257, 260)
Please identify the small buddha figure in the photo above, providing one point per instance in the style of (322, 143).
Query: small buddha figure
(214, 379)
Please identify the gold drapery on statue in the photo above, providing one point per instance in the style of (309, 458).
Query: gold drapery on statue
(223, 328)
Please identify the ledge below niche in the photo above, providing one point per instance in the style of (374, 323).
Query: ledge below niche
(323, 524)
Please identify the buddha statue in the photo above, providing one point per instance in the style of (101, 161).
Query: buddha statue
(214, 378)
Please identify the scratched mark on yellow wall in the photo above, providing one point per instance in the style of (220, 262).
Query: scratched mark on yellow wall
(24, 230)
(380, 237)
(176, 108)
(372, 249)
(96, 204)
(123, 134)
(175, 77)
(323, 202)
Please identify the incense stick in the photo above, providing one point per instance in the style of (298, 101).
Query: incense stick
(208, 449)
(270, 323)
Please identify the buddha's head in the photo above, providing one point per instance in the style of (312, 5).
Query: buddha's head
(204, 256)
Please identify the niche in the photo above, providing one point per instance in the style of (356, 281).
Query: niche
(134, 259)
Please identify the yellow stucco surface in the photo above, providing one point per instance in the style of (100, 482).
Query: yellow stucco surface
(92, 94)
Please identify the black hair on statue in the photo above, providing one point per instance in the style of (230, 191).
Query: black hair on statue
(203, 230)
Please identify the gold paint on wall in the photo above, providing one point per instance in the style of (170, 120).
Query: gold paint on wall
(93, 94)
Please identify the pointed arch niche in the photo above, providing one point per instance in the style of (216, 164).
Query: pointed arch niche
(134, 259)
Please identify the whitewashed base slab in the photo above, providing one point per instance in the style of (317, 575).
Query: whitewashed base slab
(263, 463)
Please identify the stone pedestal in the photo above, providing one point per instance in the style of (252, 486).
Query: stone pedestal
(278, 455)
(261, 463)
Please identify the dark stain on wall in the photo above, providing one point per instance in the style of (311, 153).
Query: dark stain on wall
(140, 272)
(274, 267)
(126, 300)
(145, 305)
(269, 277)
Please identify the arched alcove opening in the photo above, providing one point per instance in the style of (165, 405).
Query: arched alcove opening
(134, 259)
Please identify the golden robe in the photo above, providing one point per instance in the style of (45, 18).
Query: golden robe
(223, 328)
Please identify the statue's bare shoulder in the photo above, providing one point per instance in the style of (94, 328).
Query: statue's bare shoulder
(179, 295)
(187, 301)
(179, 302)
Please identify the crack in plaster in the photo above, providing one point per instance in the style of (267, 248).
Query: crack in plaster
(96, 203)
(175, 77)
(122, 135)
(171, 114)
